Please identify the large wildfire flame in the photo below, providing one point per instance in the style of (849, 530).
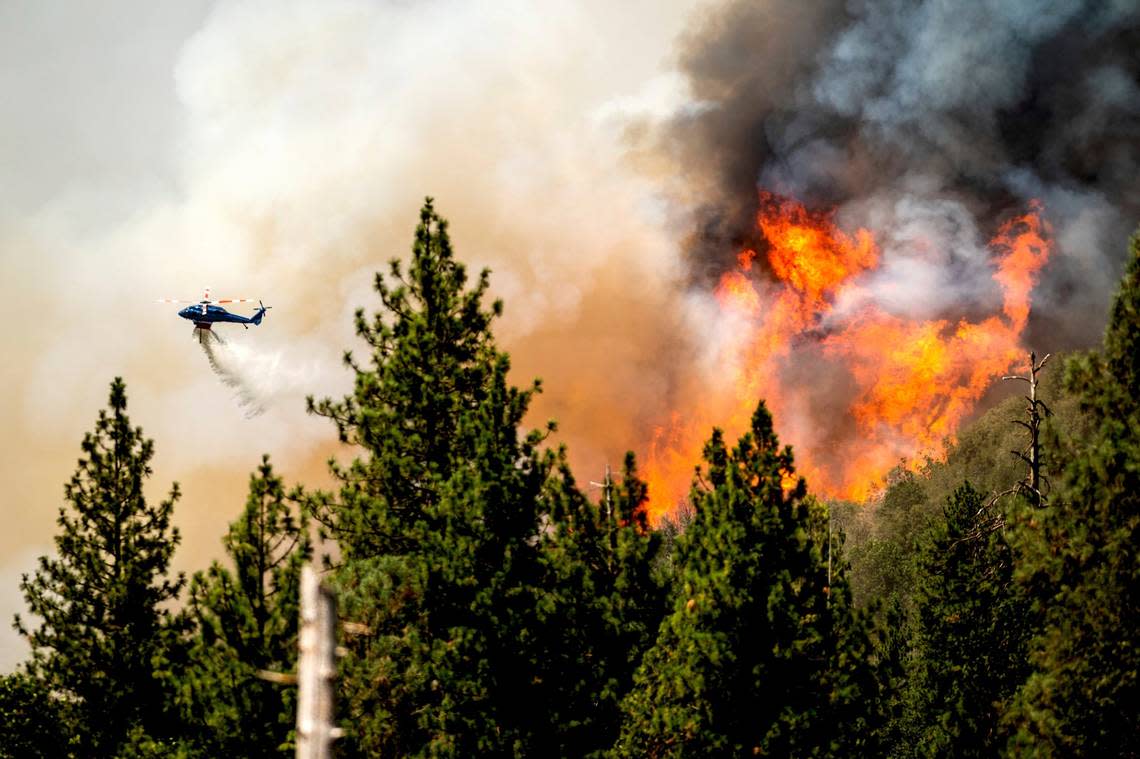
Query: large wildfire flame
(912, 381)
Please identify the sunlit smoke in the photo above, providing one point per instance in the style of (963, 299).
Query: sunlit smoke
(282, 149)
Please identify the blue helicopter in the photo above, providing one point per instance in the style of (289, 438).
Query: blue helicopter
(205, 313)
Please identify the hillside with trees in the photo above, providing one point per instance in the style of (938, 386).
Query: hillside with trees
(983, 604)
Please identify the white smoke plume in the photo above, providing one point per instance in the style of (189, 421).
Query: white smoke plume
(281, 149)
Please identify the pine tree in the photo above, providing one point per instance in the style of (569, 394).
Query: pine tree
(34, 724)
(437, 520)
(433, 361)
(1081, 564)
(106, 632)
(759, 655)
(973, 629)
(601, 611)
(246, 623)
(885, 558)
(903, 710)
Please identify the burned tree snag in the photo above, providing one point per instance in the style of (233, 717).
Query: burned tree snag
(1031, 486)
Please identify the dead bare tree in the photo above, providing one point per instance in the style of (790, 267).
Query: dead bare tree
(1033, 486)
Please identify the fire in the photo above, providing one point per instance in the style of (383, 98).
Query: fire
(907, 383)
(809, 253)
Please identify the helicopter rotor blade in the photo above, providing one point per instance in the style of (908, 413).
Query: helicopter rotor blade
(205, 302)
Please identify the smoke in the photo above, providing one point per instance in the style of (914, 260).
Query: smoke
(928, 123)
(932, 125)
(281, 150)
(307, 134)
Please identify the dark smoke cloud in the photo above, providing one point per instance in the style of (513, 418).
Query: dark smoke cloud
(924, 121)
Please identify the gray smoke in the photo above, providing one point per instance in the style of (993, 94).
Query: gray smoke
(929, 123)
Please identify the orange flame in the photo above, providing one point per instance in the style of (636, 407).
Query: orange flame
(911, 382)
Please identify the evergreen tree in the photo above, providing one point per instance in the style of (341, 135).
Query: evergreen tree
(438, 521)
(903, 709)
(973, 629)
(246, 622)
(433, 361)
(601, 610)
(106, 632)
(884, 560)
(1081, 564)
(34, 724)
(759, 655)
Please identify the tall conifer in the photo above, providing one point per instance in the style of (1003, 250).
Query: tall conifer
(437, 519)
(759, 654)
(246, 622)
(106, 629)
(1081, 561)
(600, 610)
(973, 629)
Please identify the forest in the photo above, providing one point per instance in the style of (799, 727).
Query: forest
(982, 604)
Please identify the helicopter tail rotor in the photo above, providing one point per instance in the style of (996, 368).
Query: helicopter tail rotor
(260, 312)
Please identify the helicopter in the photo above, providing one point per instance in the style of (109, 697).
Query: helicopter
(205, 313)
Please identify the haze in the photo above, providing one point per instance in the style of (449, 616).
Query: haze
(280, 150)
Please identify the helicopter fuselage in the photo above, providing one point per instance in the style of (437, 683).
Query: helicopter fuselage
(216, 314)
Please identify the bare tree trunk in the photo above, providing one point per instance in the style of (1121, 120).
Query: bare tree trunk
(316, 669)
(1037, 411)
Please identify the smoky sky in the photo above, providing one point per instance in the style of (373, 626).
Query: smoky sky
(280, 150)
(933, 118)
(603, 159)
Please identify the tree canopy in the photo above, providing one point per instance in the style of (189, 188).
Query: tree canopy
(749, 659)
(106, 633)
(494, 606)
(246, 621)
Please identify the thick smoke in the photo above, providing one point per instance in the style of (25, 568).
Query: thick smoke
(282, 148)
(929, 123)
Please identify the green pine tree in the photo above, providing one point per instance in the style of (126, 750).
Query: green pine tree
(106, 631)
(601, 609)
(884, 559)
(437, 520)
(1081, 564)
(246, 623)
(34, 723)
(974, 625)
(433, 361)
(759, 655)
